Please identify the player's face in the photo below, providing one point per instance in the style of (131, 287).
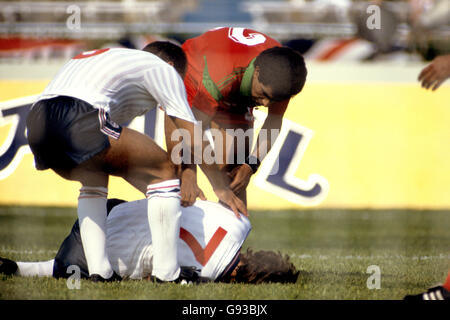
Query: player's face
(234, 273)
(261, 94)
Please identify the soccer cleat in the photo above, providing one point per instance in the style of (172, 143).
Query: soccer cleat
(436, 293)
(188, 275)
(98, 278)
(7, 266)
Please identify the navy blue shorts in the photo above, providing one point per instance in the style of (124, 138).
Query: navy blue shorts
(64, 132)
(71, 252)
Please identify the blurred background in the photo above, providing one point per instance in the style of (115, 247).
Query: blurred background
(363, 145)
(366, 134)
(321, 29)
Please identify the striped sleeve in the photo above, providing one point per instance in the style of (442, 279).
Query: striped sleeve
(167, 87)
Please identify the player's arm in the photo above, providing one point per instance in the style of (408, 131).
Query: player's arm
(205, 122)
(186, 172)
(216, 177)
(266, 138)
(435, 73)
(168, 89)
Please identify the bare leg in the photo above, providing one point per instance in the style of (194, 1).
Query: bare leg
(92, 215)
(140, 161)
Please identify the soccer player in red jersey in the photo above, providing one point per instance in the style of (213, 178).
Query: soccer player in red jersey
(230, 71)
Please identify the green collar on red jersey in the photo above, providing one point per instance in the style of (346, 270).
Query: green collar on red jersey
(246, 83)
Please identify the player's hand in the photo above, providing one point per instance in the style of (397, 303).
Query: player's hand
(435, 73)
(232, 201)
(190, 189)
(240, 177)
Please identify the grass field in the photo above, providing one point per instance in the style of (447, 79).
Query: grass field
(332, 248)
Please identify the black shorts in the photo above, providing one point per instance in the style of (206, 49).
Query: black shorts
(64, 131)
(71, 251)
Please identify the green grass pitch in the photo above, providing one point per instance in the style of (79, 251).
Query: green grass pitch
(332, 248)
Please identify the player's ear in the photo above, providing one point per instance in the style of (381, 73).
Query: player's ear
(171, 63)
(256, 72)
(255, 80)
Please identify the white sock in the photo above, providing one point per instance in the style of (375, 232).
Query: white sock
(92, 219)
(31, 269)
(164, 213)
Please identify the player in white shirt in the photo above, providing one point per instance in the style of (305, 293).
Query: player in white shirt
(210, 240)
(210, 237)
(75, 128)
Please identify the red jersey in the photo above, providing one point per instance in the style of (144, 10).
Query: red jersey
(220, 69)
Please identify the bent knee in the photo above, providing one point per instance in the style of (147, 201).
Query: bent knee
(166, 170)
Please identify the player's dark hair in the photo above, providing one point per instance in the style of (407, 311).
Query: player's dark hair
(169, 52)
(283, 70)
(265, 266)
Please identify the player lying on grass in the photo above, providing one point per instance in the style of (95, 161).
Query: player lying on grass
(77, 129)
(210, 241)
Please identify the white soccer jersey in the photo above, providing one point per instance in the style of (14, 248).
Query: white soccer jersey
(210, 239)
(125, 82)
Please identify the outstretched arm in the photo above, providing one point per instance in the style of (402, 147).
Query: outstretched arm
(266, 138)
(191, 155)
(187, 173)
(433, 75)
